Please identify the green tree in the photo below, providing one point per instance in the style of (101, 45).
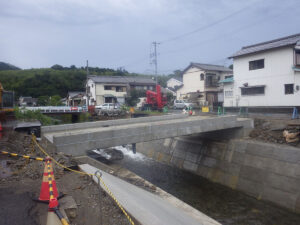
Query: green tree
(133, 96)
(55, 100)
(43, 100)
(57, 67)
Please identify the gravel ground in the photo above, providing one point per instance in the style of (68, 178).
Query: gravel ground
(20, 182)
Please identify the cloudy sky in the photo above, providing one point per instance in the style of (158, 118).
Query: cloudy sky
(119, 33)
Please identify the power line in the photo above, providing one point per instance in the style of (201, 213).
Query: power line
(208, 25)
(262, 20)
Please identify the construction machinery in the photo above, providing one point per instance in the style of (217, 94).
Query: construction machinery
(155, 100)
(6, 103)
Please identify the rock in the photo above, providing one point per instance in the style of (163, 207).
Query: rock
(68, 207)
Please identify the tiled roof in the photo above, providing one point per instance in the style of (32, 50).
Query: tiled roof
(75, 93)
(122, 80)
(281, 42)
(179, 78)
(208, 67)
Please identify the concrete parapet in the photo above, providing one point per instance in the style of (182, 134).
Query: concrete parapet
(76, 126)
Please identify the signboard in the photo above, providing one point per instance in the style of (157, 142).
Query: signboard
(205, 109)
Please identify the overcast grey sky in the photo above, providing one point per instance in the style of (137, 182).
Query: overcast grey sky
(114, 33)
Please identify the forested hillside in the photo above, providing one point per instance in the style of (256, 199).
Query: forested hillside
(7, 66)
(57, 80)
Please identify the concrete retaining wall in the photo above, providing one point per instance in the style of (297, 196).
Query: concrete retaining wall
(265, 171)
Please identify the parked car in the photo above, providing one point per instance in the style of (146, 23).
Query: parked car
(108, 106)
(181, 104)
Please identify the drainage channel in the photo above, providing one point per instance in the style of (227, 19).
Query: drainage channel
(223, 204)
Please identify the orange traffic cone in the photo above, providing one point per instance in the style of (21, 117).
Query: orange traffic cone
(48, 184)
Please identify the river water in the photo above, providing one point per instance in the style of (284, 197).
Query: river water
(219, 202)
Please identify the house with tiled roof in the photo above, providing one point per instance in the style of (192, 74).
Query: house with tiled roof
(113, 89)
(201, 83)
(266, 74)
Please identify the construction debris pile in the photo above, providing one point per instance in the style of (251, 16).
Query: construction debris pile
(276, 131)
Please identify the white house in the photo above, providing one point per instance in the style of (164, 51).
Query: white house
(200, 83)
(173, 84)
(266, 75)
(113, 89)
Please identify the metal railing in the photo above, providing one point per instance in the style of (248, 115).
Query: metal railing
(56, 109)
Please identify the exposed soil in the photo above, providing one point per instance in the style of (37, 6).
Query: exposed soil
(271, 130)
(20, 182)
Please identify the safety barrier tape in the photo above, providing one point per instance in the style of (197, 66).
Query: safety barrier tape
(21, 156)
(83, 173)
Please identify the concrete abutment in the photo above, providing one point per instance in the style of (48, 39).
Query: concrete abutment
(265, 171)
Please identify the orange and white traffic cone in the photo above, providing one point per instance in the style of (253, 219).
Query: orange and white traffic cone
(48, 184)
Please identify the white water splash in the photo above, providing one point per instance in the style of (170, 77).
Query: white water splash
(102, 153)
(128, 152)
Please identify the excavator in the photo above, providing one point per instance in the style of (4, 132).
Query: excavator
(6, 102)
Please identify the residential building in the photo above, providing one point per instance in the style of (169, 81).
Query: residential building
(27, 101)
(76, 98)
(201, 83)
(113, 89)
(266, 74)
(173, 84)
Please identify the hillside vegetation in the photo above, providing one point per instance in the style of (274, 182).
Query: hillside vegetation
(57, 80)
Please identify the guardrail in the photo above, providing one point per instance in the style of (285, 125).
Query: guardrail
(57, 109)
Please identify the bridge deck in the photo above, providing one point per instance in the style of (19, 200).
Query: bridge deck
(77, 141)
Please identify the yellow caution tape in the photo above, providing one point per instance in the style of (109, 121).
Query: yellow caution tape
(89, 174)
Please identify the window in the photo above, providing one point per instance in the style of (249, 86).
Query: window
(201, 76)
(256, 64)
(258, 90)
(211, 80)
(297, 57)
(228, 93)
(119, 89)
(228, 76)
(289, 89)
(107, 87)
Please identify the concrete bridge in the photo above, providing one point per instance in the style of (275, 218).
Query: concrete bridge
(75, 139)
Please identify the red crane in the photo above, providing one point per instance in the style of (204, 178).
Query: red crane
(155, 100)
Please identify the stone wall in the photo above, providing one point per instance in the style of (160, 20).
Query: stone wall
(265, 171)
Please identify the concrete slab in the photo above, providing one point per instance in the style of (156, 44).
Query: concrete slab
(148, 208)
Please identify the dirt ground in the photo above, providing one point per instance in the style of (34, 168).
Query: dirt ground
(20, 182)
(271, 129)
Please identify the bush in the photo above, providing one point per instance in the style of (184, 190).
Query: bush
(22, 114)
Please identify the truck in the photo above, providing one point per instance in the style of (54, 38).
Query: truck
(155, 100)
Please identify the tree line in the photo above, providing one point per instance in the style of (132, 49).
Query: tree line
(56, 80)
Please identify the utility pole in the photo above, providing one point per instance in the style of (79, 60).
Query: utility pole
(155, 44)
(86, 85)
